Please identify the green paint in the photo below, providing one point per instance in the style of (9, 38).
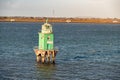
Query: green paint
(46, 41)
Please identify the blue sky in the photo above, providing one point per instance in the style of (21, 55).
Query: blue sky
(61, 8)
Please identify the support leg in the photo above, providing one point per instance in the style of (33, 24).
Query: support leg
(38, 58)
(53, 57)
(43, 57)
(48, 56)
(43, 60)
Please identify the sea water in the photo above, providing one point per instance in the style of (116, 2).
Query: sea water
(86, 52)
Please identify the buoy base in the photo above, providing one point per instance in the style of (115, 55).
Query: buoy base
(45, 56)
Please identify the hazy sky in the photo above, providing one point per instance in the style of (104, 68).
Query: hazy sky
(61, 8)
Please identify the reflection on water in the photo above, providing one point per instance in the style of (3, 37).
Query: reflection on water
(45, 71)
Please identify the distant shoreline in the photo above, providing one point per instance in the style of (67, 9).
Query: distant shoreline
(60, 19)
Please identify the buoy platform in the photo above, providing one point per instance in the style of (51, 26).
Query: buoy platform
(45, 56)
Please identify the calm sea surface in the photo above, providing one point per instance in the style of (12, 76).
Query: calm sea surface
(86, 52)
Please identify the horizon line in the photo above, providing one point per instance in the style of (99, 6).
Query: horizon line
(61, 17)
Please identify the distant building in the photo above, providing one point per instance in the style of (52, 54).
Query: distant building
(68, 20)
(115, 21)
(12, 20)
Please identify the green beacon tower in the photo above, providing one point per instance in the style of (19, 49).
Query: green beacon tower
(45, 51)
(46, 37)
